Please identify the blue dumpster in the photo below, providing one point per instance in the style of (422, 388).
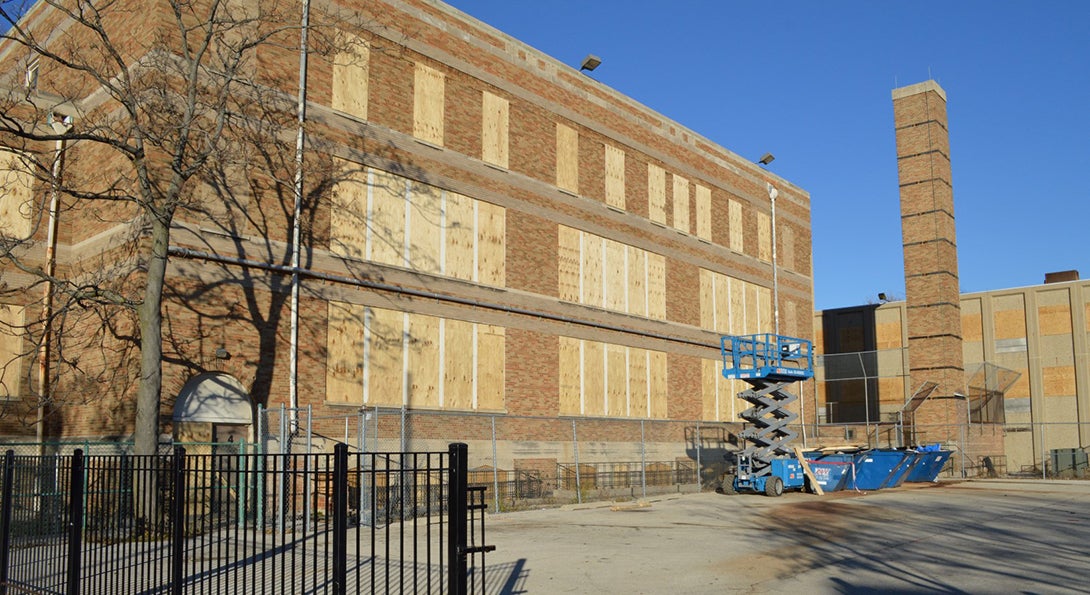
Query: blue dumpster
(880, 468)
(929, 465)
(831, 470)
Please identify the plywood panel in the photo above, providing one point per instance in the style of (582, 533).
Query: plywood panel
(351, 70)
(423, 371)
(594, 385)
(659, 385)
(491, 363)
(617, 374)
(344, 352)
(1054, 320)
(971, 329)
(348, 217)
(615, 192)
(765, 313)
(491, 245)
(681, 204)
(457, 365)
(429, 87)
(707, 299)
(656, 193)
(764, 237)
(494, 133)
(570, 371)
(12, 318)
(737, 307)
(459, 236)
(704, 212)
(615, 269)
(425, 222)
(567, 158)
(1010, 324)
(709, 394)
(734, 216)
(753, 321)
(592, 269)
(385, 366)
(16, 196)
(386, 233)
(1058, 381)
(568, 263)
(722, 304)
(637, 382)
(637, 281)
(656, 286)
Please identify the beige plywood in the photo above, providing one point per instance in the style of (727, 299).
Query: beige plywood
(753, 321)
(1054, 320)
(491, 245)
(16, 196)
(491, 363)
(764, 237)
(656, 194)
(709, 395)
(348, 217)
(659, 385)
(351, 71)
(707, 299)
(567, 158)
(1058, 381)
(423, 370)
(615, 190)
(703, 212)
(495, 116)
(385, 365)
(568, 263)
(425, 222)
(656, 286)
(637, 382)
(344, 352)
(459, 236)
(734, 222)
(570, 377)
(681, 204)
(617, 380)
(429, 87)
(592, 269)
(722, 304)
(594, 381)
(457, 365)
(971, 327)
(737, 307)
(888, 334)
(386, 232)
(637, 281)
(12, 319)
(765, 313)
(614, 271)
(1010, 324)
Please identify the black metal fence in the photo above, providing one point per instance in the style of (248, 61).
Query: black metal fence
(241, 523)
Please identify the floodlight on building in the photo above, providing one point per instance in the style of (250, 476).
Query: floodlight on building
(590, 62)
(882, 298)
(766, 159)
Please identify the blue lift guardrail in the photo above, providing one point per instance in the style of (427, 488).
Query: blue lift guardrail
(766, 355)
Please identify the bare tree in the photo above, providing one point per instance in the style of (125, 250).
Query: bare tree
(155, 106)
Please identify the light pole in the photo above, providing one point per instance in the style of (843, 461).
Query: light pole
(772, 194)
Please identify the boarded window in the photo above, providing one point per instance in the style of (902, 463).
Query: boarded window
(351, 69)
(704, 212)
(12, 319)
(681, 204)
(569, 260)
(494, 129)
(567, 158)
(344, 358)
(764, 237)
(734, 216)
(615, 177)
(656, 193)
(16, 196)
(428, 90)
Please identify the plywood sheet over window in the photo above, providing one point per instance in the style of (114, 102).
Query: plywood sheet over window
(738, 308)
(457, 361)
(344, 352)
(567, 158)
(734, 217)
(656, 286)
(722, 304)
(386, 356)
(12, 319)
(422, 374)
(616, 381)
(764, 237)
(491, 251)
(599, 379)
(752, 310)
(703, 212)
(425, 222)
(614, 271)
(571, 401)
(594, 382)
(681, 204)
(386, 230)
(568, 263)
(765, 312)
(593, 254)
(491, 363)
(637, 281)
(659, 385)
(429, 87)
(709, 396)
(495, 112)
(16, 196)
(1054, 319)
(707, 299)
(638, 400)
(348, 216)
(615, 193)
(351, 70)
(459, 236)
(656, 193)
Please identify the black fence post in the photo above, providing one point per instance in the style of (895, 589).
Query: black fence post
(457, 536)
(5, 519)
(177, 518)
(75, 522)
(340, 519)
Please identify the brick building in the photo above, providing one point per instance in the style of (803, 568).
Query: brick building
(511, 244)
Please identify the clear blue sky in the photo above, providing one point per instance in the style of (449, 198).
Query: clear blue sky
(810, 82)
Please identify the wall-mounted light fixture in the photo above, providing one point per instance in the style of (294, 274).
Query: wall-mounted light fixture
(766, 159)
(222, 353)
(590, 63)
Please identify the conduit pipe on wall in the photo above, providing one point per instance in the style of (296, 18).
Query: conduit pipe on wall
(297, 213)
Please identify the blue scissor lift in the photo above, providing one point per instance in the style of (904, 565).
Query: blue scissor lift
(769, 363)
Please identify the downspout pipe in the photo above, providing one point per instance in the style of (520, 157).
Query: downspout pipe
(296, 226)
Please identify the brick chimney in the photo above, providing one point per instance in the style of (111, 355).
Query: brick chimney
(929, 240)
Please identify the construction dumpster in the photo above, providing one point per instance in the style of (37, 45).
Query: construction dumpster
(831, 470)
(881, 468)
(929, 466)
